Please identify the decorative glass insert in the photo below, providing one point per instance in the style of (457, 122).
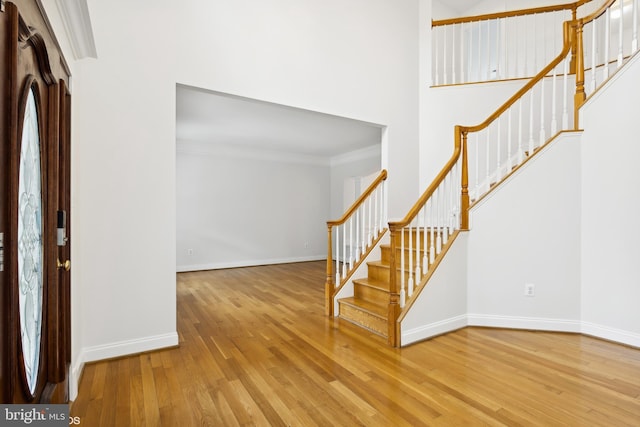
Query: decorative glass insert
(30, 244)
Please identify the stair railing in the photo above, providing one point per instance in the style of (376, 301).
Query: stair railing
(497, 46)
(353, 236)
(607, 37)
(424, 233)
(534, 115)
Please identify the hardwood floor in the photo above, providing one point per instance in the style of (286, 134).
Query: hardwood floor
(256, 349)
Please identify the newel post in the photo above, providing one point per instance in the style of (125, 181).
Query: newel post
(580, 96)
(394, 293)
(328, 285)
(572, 63)
(464, 202)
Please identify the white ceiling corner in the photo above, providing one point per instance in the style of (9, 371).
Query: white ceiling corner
(77, 23)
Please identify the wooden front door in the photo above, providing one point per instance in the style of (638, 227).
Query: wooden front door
(34, 208)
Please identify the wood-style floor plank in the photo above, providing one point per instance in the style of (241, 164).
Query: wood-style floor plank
(256, 349)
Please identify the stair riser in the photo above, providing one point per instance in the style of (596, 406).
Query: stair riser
(370, 294)
(386, 256)
(418, 240)
(364, 319)
(378, 272)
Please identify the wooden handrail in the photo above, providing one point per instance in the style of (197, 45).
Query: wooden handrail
(359, 200)
(330, 285)
(510, 14)
(394, 225)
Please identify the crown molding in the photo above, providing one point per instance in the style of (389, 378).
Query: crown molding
(357, 155)
(254, 153)
(77, 24)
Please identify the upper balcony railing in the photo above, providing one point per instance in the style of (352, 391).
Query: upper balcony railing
(498, 46)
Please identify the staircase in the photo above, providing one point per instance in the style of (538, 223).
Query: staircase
(369, 305)
(484, 156)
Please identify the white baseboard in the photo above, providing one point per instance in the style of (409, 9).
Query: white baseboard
(433, 329)
(517, 322)
(247, 263)
(611, 334)
(117, 349)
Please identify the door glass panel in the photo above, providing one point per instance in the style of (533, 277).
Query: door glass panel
(30, 244)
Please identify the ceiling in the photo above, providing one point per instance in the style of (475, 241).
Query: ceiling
(216, 118)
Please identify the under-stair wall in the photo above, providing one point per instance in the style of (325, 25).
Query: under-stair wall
(527, 232)
(610, 201)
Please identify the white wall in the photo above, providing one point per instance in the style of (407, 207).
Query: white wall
(442, 305)
(528, 231)
(238, 208)
(448, 106)
(610, 202)
(123, 186)
(355, 59)
(357, 164)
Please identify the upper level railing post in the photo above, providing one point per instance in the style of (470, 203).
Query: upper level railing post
(394, 291)
(464, 202)
(329, 285)
(580, 95)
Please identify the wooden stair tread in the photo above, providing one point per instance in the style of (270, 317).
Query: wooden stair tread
(367, 306)
(374, 283)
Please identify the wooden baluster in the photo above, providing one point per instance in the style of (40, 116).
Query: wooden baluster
(402, 291)
(432, 250)
(620, 34)
(338, 278)
(425, 234)
(594, 31)
(370, 224)
(509, 136)
(543, 135)
(356, 241)
(607, 43)
(531, 141)
(470, 53)
(488, 64)
(520, 132)
(478, 64)
(462, 52)
(410, 271)
(498, 143)
(499, 52)
(445, 78)
(437, 55)
(418, 274)
(437, 221)
(554, 103)
(634, 38)
(363, 231)
(565, 94)
(445, 222)
(487, 180)
(476, 195)
(453, 54)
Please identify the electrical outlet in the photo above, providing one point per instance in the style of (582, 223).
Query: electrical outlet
(189, 251)
(529, 290)
(306, 245)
